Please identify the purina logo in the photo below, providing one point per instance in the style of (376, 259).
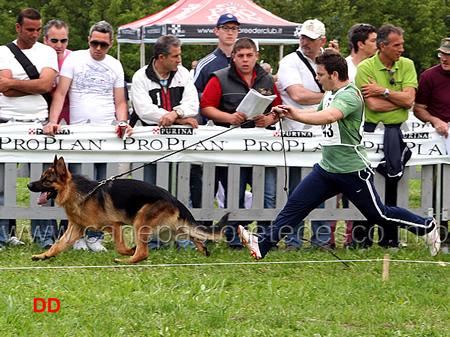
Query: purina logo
(176, 30)
(176, 131)
(37, 131)
(416, 135)
(299, 134)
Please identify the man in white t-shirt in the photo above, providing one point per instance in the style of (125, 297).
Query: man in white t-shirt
(298, 88)
(296, 83)
(95, 83)
(21, 99)
(362, 41)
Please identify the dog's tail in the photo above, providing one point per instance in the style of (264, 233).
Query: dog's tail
(214, 232)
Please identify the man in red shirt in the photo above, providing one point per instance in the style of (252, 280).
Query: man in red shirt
(432, 98)
(433, 101)
(222, 95)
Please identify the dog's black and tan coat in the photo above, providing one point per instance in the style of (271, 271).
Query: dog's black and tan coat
(151, 210)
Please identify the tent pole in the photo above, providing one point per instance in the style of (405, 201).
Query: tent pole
(118, 51)
(142, 54)
(281, 52)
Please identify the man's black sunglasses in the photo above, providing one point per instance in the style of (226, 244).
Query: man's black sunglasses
(392, 80)
(56, 40)
(102, 44)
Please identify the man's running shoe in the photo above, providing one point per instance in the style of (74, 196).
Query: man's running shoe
(250, 241)
(433, 240)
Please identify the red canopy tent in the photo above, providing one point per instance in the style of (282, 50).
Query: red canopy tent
(193, 21)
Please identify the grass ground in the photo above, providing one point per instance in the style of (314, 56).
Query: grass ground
(183, 293)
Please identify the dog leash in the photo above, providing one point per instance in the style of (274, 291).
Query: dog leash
(104, 181)
(112, 178)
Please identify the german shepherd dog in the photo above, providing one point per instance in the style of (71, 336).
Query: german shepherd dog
(151, 210)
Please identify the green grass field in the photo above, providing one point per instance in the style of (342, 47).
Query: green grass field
(183, 293)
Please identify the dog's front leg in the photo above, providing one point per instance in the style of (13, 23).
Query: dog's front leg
(119, 240)
(71, 235)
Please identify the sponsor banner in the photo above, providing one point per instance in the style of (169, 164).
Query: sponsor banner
(26, 142)
(129, 34)
(253, 31)
(154, 31)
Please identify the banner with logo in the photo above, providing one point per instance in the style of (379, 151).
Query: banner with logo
(26, 142)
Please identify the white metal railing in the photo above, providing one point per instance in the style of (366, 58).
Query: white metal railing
(434, 181)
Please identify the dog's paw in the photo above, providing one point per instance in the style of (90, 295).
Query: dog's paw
(38, 257)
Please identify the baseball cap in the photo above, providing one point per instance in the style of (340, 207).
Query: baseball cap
(445, 46)
(225, 18)
(313, 29)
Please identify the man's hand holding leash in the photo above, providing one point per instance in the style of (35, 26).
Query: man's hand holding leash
(281, 111)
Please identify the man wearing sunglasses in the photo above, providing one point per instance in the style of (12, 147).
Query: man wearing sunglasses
(94, 81)
(56, 35)
(388, 82)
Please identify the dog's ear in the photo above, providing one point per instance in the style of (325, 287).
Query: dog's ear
(55, 161)
(60, 167)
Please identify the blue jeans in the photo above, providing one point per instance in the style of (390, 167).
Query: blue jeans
(358, 187)
(270, 187)
(4, 232)
(41, 230)
(321, 233)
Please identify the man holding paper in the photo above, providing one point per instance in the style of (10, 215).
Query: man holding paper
(228, 87)
(220, 100)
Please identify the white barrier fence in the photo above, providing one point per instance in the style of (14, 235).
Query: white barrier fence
(88, 144)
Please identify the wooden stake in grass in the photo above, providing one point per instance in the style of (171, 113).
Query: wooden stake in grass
(386, 267)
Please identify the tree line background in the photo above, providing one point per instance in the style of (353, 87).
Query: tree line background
(425, 23)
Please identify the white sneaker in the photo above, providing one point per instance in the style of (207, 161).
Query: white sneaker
(250, 241)
(95, 245)
(80, 244)
(433, 240)
(14, 241)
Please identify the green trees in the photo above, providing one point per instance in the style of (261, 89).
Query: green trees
(425, 23)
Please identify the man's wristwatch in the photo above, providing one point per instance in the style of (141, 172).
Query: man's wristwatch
(179, 113)
(386, 93)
